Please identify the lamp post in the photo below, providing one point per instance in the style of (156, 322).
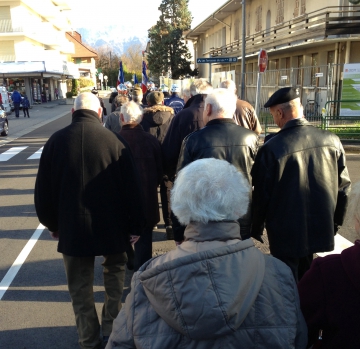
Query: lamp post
(105, 79)
(243, 29)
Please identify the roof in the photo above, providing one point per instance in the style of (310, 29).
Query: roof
(81, 50)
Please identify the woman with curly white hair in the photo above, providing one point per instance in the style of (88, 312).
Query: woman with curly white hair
(214, 290)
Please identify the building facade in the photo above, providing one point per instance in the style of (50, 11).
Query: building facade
(35, 56)
(307, 42)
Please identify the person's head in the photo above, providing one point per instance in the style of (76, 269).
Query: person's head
(94, 91)
(155, 98)
(200, 86)
(120, 100)
(186, 94)
(284, 105)
(220, 103)
(87, 101)
(209, 190)
(137, 94)
(228, 84)
(352, 218)
(131, 113)
(122, 89)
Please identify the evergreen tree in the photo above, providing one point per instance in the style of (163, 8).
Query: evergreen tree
(168, 52)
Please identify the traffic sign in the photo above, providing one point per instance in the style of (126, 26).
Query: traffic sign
(263, 60)
(217, 60)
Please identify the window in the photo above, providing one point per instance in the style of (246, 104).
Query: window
(279, 11)
(248, 24)
(258, 13)
(300, 8)
(331, 57)
(300, 63)
(314, 69)
(237, 30)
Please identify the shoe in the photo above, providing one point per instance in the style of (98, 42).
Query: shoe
(169, 232)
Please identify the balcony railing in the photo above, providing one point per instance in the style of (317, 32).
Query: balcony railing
(314, 26)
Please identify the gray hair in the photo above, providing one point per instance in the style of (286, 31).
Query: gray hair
(228, 84)
(353, 210)
(209, 190)
(186, 93)
(223, 102)
(200, 86)
(132, 112)
(87, 100)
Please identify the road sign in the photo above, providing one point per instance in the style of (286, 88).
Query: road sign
(263, 60)
(217, 60)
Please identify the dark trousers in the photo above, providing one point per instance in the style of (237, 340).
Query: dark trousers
(298, 266)
(17, 109)
(80, 278)
(26, 111)
(165, 187)
(143, 248)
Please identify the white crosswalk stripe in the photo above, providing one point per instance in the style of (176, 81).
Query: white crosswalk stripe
(11, 152)
(36, 155)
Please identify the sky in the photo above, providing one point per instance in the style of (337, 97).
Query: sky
(137, 15)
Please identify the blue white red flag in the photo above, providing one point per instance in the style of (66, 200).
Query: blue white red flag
(121, 78)
(144, 78)
(135, 80)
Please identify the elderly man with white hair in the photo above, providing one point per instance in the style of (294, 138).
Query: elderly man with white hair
(245, 114)
(222, 139)
(88, 196)
(214, 290)
(147, 156)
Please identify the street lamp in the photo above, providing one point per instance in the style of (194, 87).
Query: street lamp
(105, 79)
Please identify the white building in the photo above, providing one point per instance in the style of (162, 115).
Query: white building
(35, 55)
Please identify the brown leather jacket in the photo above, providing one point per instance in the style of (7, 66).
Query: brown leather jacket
(245, 116)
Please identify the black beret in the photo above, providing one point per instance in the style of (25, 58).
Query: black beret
(94, 91)
(283, 95)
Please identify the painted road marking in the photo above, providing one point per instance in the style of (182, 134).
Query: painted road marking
(11, 152)
(10, 275)
(36, 155)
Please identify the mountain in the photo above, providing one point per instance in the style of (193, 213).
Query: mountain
(116, 38)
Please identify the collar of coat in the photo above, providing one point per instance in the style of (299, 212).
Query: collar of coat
(197, 99)
(295, 122)
(132, 126)
(220, 121)
(85, 115)
(221, 231)
(158, 107)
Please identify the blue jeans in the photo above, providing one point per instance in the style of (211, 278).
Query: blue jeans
(17, 109)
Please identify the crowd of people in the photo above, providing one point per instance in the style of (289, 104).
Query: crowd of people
(97, 193)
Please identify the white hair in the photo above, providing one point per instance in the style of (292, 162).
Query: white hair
(87, 100)
(223, 102)
(209, 190)
(186, 93)
(200, 86)
(132, 112)
(228, 84)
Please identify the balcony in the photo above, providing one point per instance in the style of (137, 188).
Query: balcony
(326, 23)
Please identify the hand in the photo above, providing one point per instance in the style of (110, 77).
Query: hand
(134, 239)
(54, 235)
(178, 243)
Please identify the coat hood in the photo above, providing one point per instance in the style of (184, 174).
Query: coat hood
(208, 294)
(157, 115)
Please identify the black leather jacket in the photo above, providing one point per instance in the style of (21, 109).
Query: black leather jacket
(222, 139)
(301, 187)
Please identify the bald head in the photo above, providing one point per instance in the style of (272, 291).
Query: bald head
(87, 101)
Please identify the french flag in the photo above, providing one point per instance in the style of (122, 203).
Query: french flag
(144, 78)
(121, 78)
(135, 80)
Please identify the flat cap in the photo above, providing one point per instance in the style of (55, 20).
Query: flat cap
(283, 95)
(155, 97)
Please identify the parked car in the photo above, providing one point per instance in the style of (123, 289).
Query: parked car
(4, 123)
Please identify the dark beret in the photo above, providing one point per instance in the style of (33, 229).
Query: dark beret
(283, 95)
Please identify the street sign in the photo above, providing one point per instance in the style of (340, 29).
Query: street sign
(263, 60)
(217, 60)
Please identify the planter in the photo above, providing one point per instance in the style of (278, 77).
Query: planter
(70, 101)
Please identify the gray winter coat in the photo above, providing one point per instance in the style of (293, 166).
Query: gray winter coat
(199, 297)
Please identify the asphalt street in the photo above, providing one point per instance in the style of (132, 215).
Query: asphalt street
(35, 307)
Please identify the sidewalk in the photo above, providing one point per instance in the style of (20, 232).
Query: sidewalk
(40, 115)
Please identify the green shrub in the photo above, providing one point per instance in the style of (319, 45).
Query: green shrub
(69, 94)
(85, 82)
(74, 87)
